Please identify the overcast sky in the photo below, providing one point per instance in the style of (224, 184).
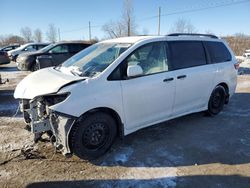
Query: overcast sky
(72, 16)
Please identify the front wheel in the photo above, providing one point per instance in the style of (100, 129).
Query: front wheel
(217, 100)
(35, 67)
(93, 135)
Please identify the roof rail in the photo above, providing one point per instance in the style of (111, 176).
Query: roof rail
(193, 34)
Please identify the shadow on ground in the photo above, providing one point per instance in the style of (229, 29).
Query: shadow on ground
(185, 181)
(8, 104)
(189, 140)
(8, 69)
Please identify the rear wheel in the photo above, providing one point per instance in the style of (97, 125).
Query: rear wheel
(217, 100)
(93, 135)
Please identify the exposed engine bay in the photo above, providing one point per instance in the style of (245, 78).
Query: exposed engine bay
(41, 119)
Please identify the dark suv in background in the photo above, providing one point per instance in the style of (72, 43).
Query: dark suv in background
(51, 55)
(4, 58)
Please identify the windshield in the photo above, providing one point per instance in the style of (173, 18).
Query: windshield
(47, 48)
(94, 59)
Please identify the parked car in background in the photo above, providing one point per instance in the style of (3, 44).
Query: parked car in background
(52, 55)
(29, 47)
(247, 54)
(9, 47)
(4, 58)
(118, 86)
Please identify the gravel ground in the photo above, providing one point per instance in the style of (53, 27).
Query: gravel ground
(191, 151)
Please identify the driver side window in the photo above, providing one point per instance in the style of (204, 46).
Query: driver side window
(29, 48)
(150, 57)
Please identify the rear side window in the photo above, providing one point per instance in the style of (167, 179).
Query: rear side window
(218, 52)
(62, 48)
(185, 54)
(40, 47)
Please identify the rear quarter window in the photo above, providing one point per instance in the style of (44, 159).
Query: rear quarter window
(185, 54)
(218, 52)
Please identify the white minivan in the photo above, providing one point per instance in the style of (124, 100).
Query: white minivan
(118, 86)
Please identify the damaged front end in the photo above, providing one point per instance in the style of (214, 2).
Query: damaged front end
(41, 119)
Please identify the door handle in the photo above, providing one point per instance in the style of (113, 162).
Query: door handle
(168, 79)
(181, 76)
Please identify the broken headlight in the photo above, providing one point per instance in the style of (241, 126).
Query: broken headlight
(54, 99)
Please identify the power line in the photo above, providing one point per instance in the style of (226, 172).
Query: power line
(196, 9)
(224, 4)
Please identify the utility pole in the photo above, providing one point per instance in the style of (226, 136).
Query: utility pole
(89, 32)
(129, 33)
(59, 34)
(159, 21)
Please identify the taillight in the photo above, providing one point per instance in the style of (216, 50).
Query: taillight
(237, 66)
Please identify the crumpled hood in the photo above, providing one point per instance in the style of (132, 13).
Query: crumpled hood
(44, 81)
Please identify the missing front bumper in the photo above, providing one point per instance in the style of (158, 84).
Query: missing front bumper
(61, 126)
(43, 120)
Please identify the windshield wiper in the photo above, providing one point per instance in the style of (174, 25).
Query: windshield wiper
(75, 70)
(75, 73)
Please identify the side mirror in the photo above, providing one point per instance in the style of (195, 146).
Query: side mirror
(50, 52)
(134, 70)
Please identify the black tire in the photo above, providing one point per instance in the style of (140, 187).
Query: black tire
(93, 135)
(217, 100)
(34, 67)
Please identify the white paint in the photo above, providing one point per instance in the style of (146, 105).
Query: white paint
(141, 101)
(44, 81)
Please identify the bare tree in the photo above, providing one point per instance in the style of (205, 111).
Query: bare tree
(11, 39)
(52, 33)
(128, 18)
(125, 26)
(183, 26)
(113, 29)
(26, 34)
(38, 35)
(239, 42)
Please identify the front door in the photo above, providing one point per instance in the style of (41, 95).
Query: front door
(148, 98)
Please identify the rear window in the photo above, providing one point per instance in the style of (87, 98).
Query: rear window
(218, 52)
(184, 54)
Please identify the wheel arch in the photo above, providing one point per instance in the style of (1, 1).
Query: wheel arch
(225, 86)
(111, 112)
